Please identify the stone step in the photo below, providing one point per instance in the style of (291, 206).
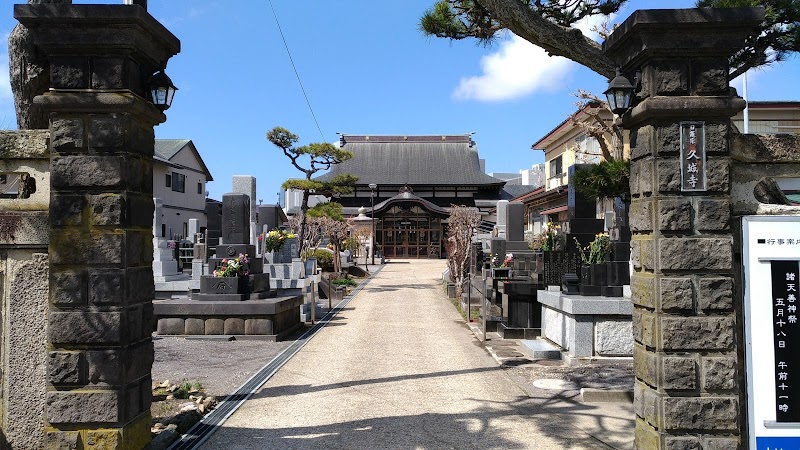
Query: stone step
(540, 349)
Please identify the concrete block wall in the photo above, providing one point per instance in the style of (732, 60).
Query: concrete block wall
(688, 349)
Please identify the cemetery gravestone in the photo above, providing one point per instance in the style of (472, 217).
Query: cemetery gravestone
(245, 184)
(232, 305)
(165, 266)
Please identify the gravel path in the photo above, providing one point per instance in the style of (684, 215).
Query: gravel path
(397, 369)
(220, 366)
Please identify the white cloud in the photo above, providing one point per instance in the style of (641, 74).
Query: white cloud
(520, 68)
(517, 69)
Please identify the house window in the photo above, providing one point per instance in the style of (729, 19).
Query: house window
(169, 179)
(163, 230)
(178, 182)
(199, 188)
(555, 167)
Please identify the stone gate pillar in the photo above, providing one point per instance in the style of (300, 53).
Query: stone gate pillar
(101, 212)
(687, 320)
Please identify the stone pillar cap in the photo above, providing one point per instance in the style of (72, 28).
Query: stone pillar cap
(62, 28)
(677, 33)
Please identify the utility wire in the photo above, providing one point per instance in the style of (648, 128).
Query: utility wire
(295, 71)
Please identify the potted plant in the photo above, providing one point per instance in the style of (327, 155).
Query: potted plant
(609, 179)
(231, 277)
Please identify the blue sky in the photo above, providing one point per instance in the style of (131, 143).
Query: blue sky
(366, 70)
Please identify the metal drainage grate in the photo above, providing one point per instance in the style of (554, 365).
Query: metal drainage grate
(203, 430)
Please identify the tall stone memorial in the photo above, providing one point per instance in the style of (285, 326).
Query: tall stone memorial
(101, 213)
(165, 266)
(688, 345)
(246, 184)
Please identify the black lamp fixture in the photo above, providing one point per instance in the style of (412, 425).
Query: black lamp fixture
(161, 90)
(620, 93)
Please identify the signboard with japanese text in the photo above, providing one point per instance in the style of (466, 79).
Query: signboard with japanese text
(771, 258)
(693, 156)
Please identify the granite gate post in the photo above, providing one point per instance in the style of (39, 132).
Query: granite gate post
(101, 211)
(687, 319)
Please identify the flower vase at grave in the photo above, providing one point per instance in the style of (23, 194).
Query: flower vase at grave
(500, 272)
(598, 274)
(593, 277)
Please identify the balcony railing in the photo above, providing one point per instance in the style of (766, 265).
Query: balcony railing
(556, 181)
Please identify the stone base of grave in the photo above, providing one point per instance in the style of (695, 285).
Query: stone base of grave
(176, 288)
(269, 319)
(587, 328)
(508, 332)
(166, 270)
(540, 349)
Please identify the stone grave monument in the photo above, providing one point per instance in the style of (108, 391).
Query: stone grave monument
(521, 312)
(243, 306)
(213, 224)
(583, 223)
(193, 229)
(270, 217)
(246, 184)
(165, 266)
(235, 234)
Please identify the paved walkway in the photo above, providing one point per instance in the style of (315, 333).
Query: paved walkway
(398, 369)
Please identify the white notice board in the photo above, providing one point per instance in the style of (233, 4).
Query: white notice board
(771, 258)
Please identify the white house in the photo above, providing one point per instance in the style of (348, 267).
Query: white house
(179, 180)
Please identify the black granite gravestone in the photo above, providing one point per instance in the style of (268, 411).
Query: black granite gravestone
(213, 224)
(271, 216)
(583, 223)
(235, 218)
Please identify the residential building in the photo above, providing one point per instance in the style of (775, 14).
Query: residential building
(567, 144)
(770, 117)
(179, 180)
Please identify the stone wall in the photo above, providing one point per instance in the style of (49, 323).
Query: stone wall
(24, 236)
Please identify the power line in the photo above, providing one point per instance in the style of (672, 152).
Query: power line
(295, 71)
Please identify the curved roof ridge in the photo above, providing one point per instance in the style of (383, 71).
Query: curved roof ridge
(410, 197)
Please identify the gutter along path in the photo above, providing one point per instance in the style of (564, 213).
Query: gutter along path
(397, 368)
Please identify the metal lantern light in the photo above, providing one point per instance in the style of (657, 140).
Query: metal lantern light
(619, 94)
(161, 90)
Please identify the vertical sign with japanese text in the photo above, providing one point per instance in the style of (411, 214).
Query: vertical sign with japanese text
(693, 156)
(785, 327)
